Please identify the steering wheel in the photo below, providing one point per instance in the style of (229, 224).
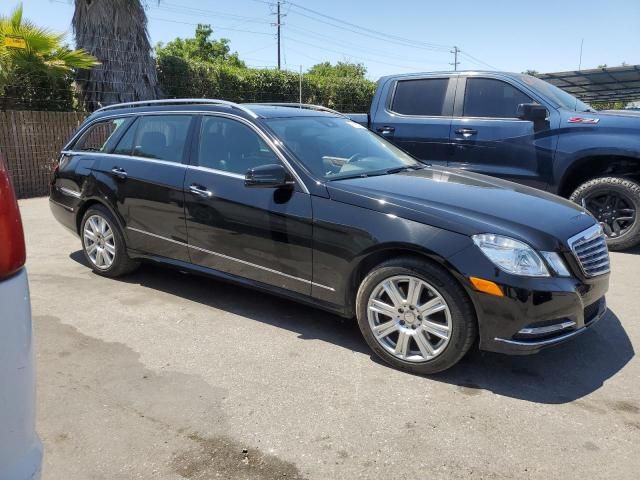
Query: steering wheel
(355, 157)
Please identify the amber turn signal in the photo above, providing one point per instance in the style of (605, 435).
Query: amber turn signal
(486, 286)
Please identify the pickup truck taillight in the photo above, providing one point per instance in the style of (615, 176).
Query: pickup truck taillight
(12, 248)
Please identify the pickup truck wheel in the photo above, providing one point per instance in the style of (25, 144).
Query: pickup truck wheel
(103, 243)
(615, 202)
(415, 316)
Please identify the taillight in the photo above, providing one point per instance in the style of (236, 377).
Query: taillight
(12, 248)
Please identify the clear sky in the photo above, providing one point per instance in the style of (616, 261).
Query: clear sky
(543, 35)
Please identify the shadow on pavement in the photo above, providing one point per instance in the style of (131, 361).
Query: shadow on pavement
(557, 375)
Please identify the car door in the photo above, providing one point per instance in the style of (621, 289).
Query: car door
(489, 138)
(259, 234)
(143, 176)
(416, 116)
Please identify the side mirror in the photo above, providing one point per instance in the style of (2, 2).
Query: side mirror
(533, 112)
(268, 176)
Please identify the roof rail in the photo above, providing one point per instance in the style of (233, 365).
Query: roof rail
(308, 106)
(179, 101)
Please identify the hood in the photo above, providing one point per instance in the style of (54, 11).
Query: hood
(468, 203)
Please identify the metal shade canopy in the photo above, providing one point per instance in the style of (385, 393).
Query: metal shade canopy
(609, 84)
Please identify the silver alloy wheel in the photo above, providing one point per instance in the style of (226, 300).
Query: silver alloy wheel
(409, 318)
(99, 242)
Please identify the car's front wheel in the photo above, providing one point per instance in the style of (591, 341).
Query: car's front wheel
(415, 316)
(103, 243)
(615, 202)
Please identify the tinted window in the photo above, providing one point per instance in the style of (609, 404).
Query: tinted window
(125, 145)
(162, 137)
(96, 138)
(334, 148)
(420, 97)
(230, 146)
(485, 97)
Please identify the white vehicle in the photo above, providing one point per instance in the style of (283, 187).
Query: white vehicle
(20, 447)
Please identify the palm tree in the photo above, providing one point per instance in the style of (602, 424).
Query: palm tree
(37, 60)
(115, 31)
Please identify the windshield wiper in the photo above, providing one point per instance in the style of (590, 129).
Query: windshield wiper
(388, 171)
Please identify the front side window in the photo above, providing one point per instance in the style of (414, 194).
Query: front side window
(231, 146)
(161, 137)
(334, 148)
(486, 97)
(423, 97)
(97, 137)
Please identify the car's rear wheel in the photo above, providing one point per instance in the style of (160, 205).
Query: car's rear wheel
(415, 316)
(103, 243)
(615, 202)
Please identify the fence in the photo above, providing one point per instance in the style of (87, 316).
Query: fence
(30, 143)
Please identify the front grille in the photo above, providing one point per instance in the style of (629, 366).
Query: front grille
(590, 249)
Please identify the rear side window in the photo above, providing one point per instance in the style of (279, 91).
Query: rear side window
(485, 97)
(420, 97)
(161, 137)
(231, 146)
(98, 136)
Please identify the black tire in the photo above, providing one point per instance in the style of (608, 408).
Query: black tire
(463, 318)
(121, 264)
(623, 187)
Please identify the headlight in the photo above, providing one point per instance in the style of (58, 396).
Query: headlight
(511, 256)
(556, 263)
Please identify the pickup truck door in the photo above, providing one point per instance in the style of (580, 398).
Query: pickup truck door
(488, 138)
(415, 114)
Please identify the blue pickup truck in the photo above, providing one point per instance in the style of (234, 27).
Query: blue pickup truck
(522, 129)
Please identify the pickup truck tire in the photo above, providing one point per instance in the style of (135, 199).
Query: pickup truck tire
(415, 316)
(608, 198)
(99, 232)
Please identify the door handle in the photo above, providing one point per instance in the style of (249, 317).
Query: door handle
(466, 132)
(200, 191)
(386, 130)
(119, 172)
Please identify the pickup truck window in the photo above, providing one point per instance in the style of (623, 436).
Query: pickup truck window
(486, 97)
(422, 97)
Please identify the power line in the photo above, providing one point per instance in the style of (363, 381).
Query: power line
(369, 30)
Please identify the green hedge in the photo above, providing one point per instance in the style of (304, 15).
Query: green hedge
(191, 79)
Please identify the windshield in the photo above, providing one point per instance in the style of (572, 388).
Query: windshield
(334, 148)
(557, 95)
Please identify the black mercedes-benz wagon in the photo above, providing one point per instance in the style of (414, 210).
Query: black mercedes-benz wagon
(307, 204)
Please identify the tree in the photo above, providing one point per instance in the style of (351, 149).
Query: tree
(340, 69)
(533, 73)
(201, 48)
(37, 64)
(115, 31)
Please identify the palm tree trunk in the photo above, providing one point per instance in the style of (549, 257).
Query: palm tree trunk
(115, 32)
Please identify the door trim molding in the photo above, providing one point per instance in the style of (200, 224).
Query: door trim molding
(227, 257)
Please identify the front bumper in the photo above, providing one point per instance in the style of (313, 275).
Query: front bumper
(534, 313)
(522, 346)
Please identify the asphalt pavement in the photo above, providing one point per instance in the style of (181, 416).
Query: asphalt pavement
(170, 376)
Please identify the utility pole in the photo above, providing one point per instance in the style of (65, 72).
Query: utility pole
(580, 61)
(455, 63)
(278, 25)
